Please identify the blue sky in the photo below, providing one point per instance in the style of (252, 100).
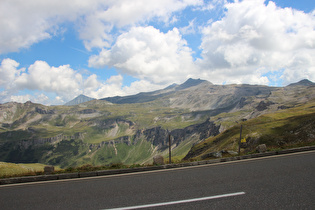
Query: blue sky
(52, 51)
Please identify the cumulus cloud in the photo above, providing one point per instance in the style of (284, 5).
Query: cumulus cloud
(29, 22)
(40, 77)
(45, 84)
(141, 86)
(253, 39)
(8, 73)
(113, 86)
(148, 54)
(61, 80)
(97, 27)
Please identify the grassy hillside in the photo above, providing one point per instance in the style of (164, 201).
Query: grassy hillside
(282, 129)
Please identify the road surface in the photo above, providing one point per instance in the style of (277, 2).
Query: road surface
(278, 182)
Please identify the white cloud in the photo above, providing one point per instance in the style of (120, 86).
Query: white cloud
(121, 13)
(40, 98)
(29, 22)
(8, 72)
(148, 54)
(48, 85)
(190, 29)
(111, 87)
(39, 77)
(141, 86)
(211, 5)
(91, 83)
(61, 80)
(254, 36)
(114, 87)
(20, 98)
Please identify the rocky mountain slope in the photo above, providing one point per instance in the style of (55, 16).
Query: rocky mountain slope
(133, 129)
(293, 127)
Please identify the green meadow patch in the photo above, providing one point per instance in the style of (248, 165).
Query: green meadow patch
(12, 169)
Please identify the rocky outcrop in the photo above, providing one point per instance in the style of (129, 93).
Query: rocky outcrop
(158, 160)
(44, 111)
(263, 105)
(158, 136)
(204, 130)
(261, 148)
(87, 111)
(121, 140)
(24, 144)
(110, 123)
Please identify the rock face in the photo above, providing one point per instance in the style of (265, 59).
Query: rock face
(49, 169)
(158, 160)
(212, 155)
(261, 148)
(263, 105)
(44, 111)
(158, 136)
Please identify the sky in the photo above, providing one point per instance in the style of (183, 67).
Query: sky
(53, 51)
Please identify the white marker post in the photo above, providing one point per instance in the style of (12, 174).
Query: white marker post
(169, 149)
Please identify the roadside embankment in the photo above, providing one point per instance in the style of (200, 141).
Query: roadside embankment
(62, 176)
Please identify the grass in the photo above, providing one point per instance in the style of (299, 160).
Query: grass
(8, 170)
(21, 169)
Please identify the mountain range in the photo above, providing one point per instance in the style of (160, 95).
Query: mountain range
(133, 129)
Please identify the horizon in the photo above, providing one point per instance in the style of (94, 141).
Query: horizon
(51, 52)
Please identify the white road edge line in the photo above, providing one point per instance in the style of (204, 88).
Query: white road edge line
(156, 171)
(181, 201)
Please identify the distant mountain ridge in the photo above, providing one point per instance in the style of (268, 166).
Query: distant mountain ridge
(151, 96)
(304, 82)
(79, 100)
(143, 97)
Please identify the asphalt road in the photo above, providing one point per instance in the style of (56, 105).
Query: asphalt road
(279, 182)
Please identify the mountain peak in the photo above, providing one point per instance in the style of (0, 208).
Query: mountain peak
(304, 82)
(190, 83)
(78, 100)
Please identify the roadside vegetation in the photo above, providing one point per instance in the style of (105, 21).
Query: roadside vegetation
(283, 129)
(8, 170)
(21, 169)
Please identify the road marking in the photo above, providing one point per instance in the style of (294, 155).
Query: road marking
(181, 201)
